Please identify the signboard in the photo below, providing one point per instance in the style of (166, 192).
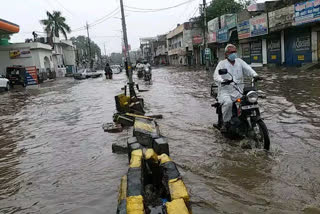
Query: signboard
(306, 12)
(243, 29)
(228, 21)
(303, 43)
(196, 40)
(259, 25)
(213, 25)
(212, 37)
(256, 52)
(281, 19)
(223, 35)
(22, 53)
(32, 77)
(274, 50)
(231, 21)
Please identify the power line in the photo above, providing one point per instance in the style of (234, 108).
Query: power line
(145, 10)
(64, 7)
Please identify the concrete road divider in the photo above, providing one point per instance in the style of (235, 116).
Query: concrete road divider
(135, 205)
(160, 146)
(145, 131)
(136, 158)
(122, 197)
(178, 190)
(177, 207)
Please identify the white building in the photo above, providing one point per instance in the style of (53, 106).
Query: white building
(26, 54)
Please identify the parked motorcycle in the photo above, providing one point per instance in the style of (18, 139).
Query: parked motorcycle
(147, 74)
(246, 120)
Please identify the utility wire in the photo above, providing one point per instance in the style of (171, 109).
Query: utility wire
(145, 10)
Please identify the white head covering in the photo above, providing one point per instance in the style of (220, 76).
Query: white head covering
(228, 46)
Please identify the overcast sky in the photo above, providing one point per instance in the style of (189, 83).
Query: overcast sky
(27, 13)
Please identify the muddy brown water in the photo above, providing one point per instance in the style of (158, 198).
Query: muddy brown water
(55, 157)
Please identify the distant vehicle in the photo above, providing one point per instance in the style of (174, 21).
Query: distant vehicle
(116, 69)
(147, 74)
(86, 73)
(17, 75)
(4, 83)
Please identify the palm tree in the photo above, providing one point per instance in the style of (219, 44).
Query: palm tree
(55, 24)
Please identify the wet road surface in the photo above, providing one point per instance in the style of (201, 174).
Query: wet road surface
(55, 157)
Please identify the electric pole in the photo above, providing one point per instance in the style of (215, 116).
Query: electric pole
(205, 44)
(127, 55)
(104, 45)
(89, 45)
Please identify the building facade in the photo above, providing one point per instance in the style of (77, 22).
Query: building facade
(178, 43)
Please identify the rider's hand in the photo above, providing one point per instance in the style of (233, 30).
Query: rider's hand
(257, 78)
(226, 82)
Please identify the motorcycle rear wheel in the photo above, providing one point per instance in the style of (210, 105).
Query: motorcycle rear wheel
(262, 138)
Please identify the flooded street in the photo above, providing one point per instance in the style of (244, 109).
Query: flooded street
(55, 157)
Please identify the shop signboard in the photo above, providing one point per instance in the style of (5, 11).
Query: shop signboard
(259, 25)
(21, 53)
(246, 56)
(197, 40)
(212, 37)
(256, 52)
(303, 43)
(281, 19)
(243, 29)
(274, 50)
(306, 12)
(32, 77)
(223, 35)
(213, 27)
(231, 21)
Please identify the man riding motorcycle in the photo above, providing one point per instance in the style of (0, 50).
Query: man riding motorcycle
(227, 94)
(108, 71)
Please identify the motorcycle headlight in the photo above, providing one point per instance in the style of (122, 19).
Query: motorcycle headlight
(252, 96)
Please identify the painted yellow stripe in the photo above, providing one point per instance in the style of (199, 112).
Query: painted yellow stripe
(164, 158)
(139, 116)
(144, 126)
(150, 154)
(135, 205)
(123, 189)
(136, 158)
(178, 190)
(177, 207)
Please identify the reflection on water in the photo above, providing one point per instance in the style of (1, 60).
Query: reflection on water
(55, 157)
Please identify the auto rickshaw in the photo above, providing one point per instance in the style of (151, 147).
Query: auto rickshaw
(17, 75)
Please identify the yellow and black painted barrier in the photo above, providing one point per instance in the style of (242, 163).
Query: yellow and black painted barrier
(153, 183)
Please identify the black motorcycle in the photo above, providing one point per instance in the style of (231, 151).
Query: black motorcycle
(147, 74)
(246, 120)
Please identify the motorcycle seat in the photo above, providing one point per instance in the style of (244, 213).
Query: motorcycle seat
(216, 105)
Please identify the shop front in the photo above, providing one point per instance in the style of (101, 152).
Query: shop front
(298, 46)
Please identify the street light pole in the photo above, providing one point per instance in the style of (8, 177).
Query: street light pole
(127, 55)
(89, 45)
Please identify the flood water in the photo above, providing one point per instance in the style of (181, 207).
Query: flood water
(55, 157)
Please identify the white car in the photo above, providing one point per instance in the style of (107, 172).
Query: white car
(86, 73)
(4, 83)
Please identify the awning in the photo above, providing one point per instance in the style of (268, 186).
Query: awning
(8, 27)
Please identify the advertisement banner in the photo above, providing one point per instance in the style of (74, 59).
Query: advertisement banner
(306, 12)
(32, 77)
(197, 40)
(223, 35)
(259, 25)
(281, 19)
(231, 21)
(212, 37)
(303, 43)
(213, 25)
(243, 29)
(22, 53)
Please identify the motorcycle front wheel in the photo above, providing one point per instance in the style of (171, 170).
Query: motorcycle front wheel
(262, 135)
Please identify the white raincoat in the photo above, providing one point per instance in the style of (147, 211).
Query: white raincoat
(227, 94)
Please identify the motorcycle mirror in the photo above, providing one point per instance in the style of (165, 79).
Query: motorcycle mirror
(223, 71)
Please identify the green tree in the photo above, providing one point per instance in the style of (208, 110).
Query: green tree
(55, 24)
(81, 42)
(220, 7)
